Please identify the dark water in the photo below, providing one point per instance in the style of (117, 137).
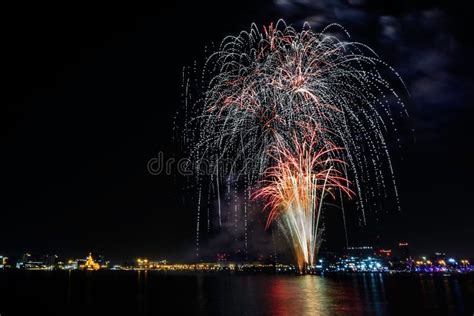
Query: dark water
(154, 293)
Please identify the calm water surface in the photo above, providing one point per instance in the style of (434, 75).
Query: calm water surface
(154, 293)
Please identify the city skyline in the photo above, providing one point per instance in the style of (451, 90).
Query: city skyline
(361, 259)
(397, 250)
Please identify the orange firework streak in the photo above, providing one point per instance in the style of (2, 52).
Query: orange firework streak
(295, 188)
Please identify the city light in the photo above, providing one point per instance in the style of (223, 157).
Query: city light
(363, 259)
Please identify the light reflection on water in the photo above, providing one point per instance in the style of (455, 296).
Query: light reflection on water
(155, 293)
(316, 295)
(363, 294)
(300, 296)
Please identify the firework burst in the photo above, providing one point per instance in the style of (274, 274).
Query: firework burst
(296, 108)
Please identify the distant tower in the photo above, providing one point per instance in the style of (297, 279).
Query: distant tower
(403, 250)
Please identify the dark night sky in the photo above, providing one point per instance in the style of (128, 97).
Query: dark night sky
(90, 99)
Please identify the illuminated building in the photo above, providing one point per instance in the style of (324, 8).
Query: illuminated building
(438, 256)
(71, 265)
(145, 264)
(3, 262)
(89, 264)
(20, 264)
(385, 252)
(362, 251)
(356, 264)
(29, 262)
(403, 250)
